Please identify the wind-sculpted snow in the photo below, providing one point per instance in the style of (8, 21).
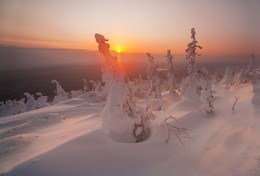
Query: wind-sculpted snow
(29, 134)
(33, 123)
(218, 145)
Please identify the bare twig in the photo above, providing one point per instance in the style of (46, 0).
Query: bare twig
(233, 108)
(179, 132)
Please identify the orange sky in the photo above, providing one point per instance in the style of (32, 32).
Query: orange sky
(223, 26)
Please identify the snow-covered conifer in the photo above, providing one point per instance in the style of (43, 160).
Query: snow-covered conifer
(251, 63)
(85, 86)
(228, 77)
(153, 78)
(170, 74)
(30, 102)
(75, 93)
(244, 75)
(96, 86)
(192, 53)
(61, 95)
(191, 86)
(12, 107)
(42, 101)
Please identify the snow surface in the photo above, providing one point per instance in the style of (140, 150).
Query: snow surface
(68, 139)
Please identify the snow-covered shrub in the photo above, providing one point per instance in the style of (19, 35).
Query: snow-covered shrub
(122, 118)
(96, 85)
(97, 90)
(153, 78)
(75, 93)
(228, 77)
(30, 102)
(242, 76)
(61, 95)
(218, 75)
(7, 109)
(170, 74)
(12, 107)
(255, 74)
(250, 65)
(42, 101)
(85, 86)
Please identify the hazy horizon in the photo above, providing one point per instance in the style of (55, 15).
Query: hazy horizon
(20, 58)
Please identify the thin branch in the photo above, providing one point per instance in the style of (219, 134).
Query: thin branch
(179, 132)
(233, 108)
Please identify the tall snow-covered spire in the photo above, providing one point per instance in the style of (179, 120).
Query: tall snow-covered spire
(103, 47)
(122, 118)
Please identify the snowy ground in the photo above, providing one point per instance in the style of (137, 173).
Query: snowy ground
(67, 139)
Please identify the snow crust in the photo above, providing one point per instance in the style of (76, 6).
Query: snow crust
(68, 139)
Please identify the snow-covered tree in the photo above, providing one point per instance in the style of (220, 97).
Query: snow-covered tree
(170, 74)
(61, 94)
(249, 76)
(75, 93)
(42, 101)
(243, 76)
(30, 102)
(85, 86)
(191, 86)
(251, 63)
(122, 118)
(96, 86)
(7, 109)
(153, 78)
(191, 52)
(12, 107)
(228, 77)
(138, 87)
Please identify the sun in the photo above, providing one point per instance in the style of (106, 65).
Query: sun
(118, 51)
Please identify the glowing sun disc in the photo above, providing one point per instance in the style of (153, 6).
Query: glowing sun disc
(118, 51)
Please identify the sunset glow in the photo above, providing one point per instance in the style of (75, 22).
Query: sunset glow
(118, 51)
(223, 27)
